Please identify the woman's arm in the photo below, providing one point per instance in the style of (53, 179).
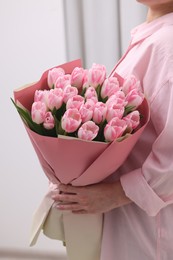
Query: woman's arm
(151, 186)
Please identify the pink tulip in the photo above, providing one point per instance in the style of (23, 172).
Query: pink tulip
(69, 92)
(132, 120)
(130, 83)
(49, 122)
(77, 77)
(114, 129)
(99, 113)
(41, 95)
(110, 86)
(38, 112)
(134, 98)
(88, 131)
(86, 80)
(63, 81)
(53, 75)
(55, 98)
(97, 75)
(71, 120)
(117, 100)
(113, 111)
(75, 102)
(91, 94)
(86, 110)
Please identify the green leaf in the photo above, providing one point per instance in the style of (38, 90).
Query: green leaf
(128, 109)
(104, 99)
(59, 112)
(56, 124)
(83, 92)
(59, 130)
(25, 115)
(98, 91)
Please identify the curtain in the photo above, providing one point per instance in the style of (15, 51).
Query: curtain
(98, 30)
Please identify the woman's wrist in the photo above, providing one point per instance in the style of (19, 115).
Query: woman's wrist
(120, 197)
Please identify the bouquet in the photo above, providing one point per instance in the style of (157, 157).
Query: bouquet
(82, 124)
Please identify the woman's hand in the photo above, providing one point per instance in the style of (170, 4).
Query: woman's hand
(96, 198)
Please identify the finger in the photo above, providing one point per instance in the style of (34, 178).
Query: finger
(68, 189)
(66, 198)
(71, 207)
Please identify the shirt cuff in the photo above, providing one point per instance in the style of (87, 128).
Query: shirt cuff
(138, 190)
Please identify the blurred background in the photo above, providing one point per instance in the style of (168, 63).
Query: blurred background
(35, 36)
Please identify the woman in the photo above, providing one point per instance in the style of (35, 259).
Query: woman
(137, 202)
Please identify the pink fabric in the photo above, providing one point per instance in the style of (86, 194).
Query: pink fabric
(144, 230)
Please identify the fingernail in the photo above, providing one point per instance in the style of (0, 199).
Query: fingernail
(59, 206)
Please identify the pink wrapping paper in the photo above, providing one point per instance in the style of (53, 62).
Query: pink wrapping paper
(75, 161)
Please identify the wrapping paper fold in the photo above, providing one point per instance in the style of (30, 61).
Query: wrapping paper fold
(80, 163)
(88, 162)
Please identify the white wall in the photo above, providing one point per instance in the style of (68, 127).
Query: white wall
(31, 41)
(99, 30)
(131, 14)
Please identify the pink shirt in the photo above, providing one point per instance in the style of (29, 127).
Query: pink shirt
(144, 229)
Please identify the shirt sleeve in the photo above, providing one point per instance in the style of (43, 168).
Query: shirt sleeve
(151, 186)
